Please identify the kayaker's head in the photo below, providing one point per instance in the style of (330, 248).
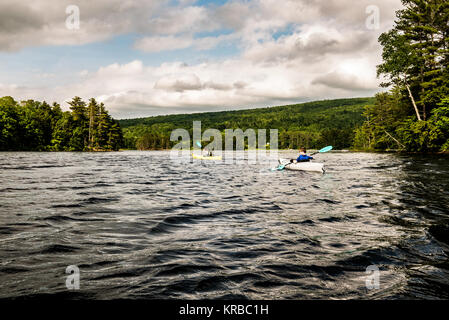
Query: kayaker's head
(302, 150)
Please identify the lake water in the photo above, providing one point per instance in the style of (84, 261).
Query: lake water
(138, 225)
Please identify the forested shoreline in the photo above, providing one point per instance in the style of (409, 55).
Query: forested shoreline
(414, 115)
(37, 126)
(311, 125)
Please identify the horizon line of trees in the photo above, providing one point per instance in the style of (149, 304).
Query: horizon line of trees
(339, 138)
(37, 126)
(311, 125)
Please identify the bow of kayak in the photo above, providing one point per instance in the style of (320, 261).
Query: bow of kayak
(302, 166)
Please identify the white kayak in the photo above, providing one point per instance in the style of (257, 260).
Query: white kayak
(302, 166)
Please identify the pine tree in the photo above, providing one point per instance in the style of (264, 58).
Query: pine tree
(94, 113)
(415, 53)
(115, 136)
(103, 127)
(80, 133)
(79, 110)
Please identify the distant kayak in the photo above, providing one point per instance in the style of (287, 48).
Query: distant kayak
(206, 158)
(302, 166)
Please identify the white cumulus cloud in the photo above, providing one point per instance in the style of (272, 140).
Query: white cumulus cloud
(287, 51)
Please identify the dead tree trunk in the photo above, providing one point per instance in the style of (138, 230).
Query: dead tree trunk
(413, 101)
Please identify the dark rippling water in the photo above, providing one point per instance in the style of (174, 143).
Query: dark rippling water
(139, 226)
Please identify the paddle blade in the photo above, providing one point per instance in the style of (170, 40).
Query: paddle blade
(326, 149)
(278, 168)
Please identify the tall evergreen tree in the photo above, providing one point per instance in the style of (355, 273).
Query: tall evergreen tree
(103, 127)
(415, 53)
(415, 60)
(80, 133)
(93, 111)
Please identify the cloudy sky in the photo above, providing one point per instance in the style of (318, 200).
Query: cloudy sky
(148, 57)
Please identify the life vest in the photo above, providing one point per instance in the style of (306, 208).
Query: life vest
(304, 158)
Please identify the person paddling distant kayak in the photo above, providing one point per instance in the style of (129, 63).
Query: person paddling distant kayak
(207, 153)
(303, 157)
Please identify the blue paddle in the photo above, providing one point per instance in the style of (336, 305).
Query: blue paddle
(282, 167)
(326, 149)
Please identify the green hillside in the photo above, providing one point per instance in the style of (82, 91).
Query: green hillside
(312, 124)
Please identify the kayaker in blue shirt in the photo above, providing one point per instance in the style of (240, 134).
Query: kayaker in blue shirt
(303, 157)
